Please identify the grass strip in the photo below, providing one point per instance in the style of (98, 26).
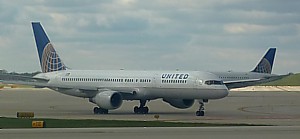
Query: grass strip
(61, 123)
(291, 80)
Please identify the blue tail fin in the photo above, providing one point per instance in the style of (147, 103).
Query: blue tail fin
(266, 63)
(49, 59)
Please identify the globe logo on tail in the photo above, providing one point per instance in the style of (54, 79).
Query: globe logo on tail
(50, 60)
(264, 66)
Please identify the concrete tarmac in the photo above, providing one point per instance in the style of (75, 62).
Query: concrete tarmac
(268, 108)
(253, 132)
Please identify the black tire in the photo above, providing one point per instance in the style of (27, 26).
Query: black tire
(96, 110)
(143, 110)
(200, 113)
(103, 111)
(136, 109)
(146, 110)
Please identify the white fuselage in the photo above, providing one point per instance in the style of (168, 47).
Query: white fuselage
(136, 85)
(241, 76)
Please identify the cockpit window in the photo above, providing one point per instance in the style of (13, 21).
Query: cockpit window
(214, 82)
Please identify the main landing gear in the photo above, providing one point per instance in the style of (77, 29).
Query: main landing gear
(142, 109)
(98, 110)
(201, 110)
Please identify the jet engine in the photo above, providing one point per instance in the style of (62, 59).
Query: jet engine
(180, 103)
(108, 100)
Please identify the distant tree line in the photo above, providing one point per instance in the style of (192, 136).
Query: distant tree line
(2, 71)
(5, 75)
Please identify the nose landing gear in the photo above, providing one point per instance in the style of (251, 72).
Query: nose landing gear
(201, 110)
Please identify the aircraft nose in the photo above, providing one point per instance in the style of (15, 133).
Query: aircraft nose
(223, 91)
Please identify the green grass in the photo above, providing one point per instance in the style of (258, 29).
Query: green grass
(59, 123)
(292, 80)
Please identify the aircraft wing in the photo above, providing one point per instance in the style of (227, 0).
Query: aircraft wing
(43, 83)
(29, 83)
(33, 81)
(14, 77)
(38, 84)
(251, 82)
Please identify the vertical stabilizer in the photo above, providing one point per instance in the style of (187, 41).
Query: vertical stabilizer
(49, 59)
(266, 63)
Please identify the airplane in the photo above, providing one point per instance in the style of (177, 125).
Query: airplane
(108, 88)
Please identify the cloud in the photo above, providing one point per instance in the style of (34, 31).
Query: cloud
(245, 28)
(169, 34)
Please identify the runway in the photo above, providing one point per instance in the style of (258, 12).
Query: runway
(151, 133)
(268, 108)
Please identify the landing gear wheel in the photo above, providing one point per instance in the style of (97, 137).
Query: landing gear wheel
(136, 109)
(142, 109)
(200, 113)
(98, 110)
(201, 110)
(146, 110)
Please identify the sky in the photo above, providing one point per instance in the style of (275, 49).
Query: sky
(206, 35)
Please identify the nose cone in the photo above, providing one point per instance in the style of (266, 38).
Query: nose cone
(225, 92)
(222, 92)
(214, 85)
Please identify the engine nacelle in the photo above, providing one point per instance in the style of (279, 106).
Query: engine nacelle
(108, 100)
(180, 103)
